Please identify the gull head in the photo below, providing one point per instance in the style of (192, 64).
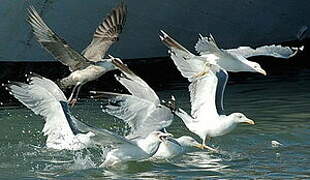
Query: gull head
(241, 118)
(255, 67)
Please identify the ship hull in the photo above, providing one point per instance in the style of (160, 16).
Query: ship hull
(232, 23)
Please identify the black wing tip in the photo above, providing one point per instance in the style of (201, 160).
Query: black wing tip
(8, 86)
(102, 94)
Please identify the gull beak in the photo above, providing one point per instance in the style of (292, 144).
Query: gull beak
(201, 146)
(249, 121)
(263, 72)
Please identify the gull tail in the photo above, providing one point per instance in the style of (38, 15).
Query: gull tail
(171, 43)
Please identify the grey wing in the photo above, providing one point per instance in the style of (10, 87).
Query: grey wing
(203, 93)
(47, 84)
(41, 102)
(222, 77)
(134, 84)
(187, 63)
(142, 116)
(268, 50)
(100, 136)
(54, 44)
(106, 34)
(207, 45)
(175, 47)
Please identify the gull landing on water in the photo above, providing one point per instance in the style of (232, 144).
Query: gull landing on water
(89, 65)
(205, 121)
(207, 87)
(232, 60)
(64, 131)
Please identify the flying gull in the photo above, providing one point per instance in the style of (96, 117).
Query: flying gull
(88, 65)
(232, 60)
(64, 131)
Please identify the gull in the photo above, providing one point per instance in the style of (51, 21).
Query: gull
(88, 65)
(232, 60)
(207, 118)
(143, 110)
(64, 131)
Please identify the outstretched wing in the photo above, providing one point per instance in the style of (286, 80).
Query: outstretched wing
(100, 136)
(268, 50)
(187, 63)
(142, 116)
(41, 96)
(207, 45)
(134, 84)
(202, 94)
(43, 103)
(54, 44)
(47, 84)
(107, 33)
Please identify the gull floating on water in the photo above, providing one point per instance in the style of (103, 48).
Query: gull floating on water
(143, 110)
(232, 60)
(89, 65)
(64, 131)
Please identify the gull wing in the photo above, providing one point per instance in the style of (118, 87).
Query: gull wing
(47, 84)
(106, 33)
(187, 63)
(222, 77)
(202, 94)
(268, 50)
(207, 45)
(142, 116)
(54, 44)
(43, 103)
(134, 84)
(60, 126)
(101, 136)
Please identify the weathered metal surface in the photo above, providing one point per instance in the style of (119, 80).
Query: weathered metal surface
(232, 22)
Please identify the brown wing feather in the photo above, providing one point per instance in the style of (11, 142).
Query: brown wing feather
(106, 33)
(54, 44)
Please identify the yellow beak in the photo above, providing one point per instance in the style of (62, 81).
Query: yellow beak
(249, 121)
(263, 72)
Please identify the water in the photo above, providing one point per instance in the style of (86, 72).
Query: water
(276, 147)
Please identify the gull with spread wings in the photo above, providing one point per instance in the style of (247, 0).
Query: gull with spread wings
(232, 60)
(207, 118)
(64, 131)
(89, 65)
